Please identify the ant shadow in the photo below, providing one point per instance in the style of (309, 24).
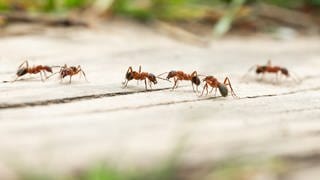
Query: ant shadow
(29, 79)
(273, 81)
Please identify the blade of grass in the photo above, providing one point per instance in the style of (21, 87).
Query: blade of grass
(224, 24)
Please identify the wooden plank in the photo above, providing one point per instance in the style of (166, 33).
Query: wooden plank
(42, 122)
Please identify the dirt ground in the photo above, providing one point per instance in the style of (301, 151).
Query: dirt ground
(60, 126)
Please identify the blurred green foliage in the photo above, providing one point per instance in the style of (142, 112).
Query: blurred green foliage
(42, 5)
(143, 9)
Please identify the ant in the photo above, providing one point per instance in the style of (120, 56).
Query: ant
(25, 69)
(180, 76)
(268, 68)
(71, 71)
(140, 76)
(215, 84)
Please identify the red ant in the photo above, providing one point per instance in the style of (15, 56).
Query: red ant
(215, 84)
(25, 69)
(268, 68)
(140, 76)
(71, 71)
(180, 76)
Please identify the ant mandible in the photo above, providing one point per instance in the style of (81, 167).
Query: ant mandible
(181, 76)
(215, 84)
(25, 69)
(71, 71)
(139, 76)
(268, 68)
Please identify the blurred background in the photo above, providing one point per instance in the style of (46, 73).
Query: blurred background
(191, 21)
(200, 17)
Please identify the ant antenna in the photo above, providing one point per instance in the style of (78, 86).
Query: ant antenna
(295, 77)
(202, 75)
(250, 69)
(52, 75)
(162, 74)
(163, 79)
(55, 66)
(159, 76)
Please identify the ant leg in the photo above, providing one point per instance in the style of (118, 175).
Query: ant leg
(204, 87)
(140, 69)
(84, 74)
(45, 75)
(277, 78)
(150, 85)
(207, 91)
(41, 76)
(175, 84)
(262, 77)
(125, 84)
(145, 83)
(193, 87)
(215, 92)
(211, 90)
(70, 80)
(197, 88)
(228, 83)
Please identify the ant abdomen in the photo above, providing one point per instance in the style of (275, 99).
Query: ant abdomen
(223, 90)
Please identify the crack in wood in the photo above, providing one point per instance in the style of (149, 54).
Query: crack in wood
(98, 96)
(201, 99)
(300, 110)
(73, 99)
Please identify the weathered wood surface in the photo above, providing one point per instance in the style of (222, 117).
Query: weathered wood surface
(63, 126)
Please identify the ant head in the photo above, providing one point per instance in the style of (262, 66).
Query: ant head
(285, 71)
(129, 74)
(22, 71)
(194, 74)
(171, 74)
(260, 69)
(196, 80)
(49, 69)
(152, 78)
(223, 90)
